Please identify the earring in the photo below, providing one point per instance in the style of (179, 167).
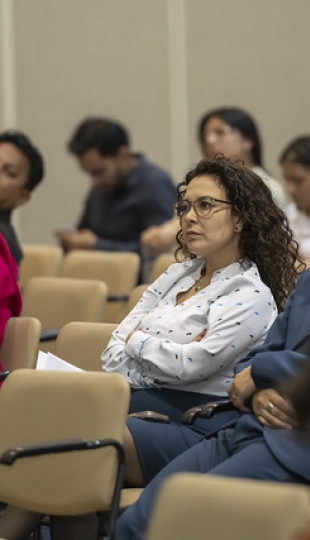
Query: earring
(237, 228)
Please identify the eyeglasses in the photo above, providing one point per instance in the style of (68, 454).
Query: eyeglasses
(219, 132)
(202, 206)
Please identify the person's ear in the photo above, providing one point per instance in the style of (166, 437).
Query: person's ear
(24, 197)
(238, 224)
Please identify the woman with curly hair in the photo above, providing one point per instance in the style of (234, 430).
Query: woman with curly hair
(237, 264)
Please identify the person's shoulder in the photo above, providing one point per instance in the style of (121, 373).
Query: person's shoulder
(151, 171)
(274, 185)
(249, 276)
(6, 257)
(291, 210)
(303, 280)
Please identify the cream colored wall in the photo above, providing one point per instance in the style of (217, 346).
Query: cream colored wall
(157, 66)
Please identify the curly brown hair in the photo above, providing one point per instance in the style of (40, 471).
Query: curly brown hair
(266, 237)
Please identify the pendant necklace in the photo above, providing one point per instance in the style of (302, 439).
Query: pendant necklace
(199, 285)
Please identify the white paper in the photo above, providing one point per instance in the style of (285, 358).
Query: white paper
(50, 362)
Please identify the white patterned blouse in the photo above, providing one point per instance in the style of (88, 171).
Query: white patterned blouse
(236, 309)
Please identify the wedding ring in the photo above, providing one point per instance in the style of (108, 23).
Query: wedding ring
(269, 407)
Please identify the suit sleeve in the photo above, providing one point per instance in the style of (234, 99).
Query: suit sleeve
(273, 362)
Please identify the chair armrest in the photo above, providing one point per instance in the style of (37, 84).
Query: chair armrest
(206, 411)
(3, 375)
(55, 447)
(49, 334)
(117, 298)
(152, 416)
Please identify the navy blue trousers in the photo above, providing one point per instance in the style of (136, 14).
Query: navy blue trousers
(239, 451)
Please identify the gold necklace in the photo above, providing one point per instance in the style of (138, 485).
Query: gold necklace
(199, 284)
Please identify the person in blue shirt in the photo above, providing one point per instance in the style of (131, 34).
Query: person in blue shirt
(128, 194)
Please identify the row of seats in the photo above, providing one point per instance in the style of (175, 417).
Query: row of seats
(188, 506)
(79, 343)
(53, 292)
(118, 270)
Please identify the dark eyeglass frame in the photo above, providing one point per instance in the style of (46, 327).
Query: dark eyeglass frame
(195, 204)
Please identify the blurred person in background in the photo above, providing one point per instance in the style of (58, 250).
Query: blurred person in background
(295, 164)
(128, 194)
(230, 131)
(21, 170)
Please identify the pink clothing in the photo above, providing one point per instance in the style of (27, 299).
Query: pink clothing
(10, 295)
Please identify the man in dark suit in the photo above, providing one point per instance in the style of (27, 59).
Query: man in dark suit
(263, 441)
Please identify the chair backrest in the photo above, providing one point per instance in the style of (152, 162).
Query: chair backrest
(161, 264)
(134, 298)
(19, 348)
(119, 270)
(39, 260)
(81, 343)
(56, 301)
(203, 506)
(37, 407)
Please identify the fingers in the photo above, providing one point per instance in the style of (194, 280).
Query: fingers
(282, 404)
(273, 422)
(273, 410)
(241, 389)
(201, 335)
(238, 402)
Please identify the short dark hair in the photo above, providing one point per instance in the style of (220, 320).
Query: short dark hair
(240, 120)
(266, 237)
(297, 151)
(24, 144)
(100, 134)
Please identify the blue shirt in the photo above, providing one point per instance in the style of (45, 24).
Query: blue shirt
(144, 199)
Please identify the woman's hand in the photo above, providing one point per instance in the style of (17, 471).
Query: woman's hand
(241, 388)
(201, 335)
(130, 334)
(273, 410)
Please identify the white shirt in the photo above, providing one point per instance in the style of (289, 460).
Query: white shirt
(236, 308)
(300, 224)
(274, 185)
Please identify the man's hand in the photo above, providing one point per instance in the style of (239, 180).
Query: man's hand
(241, 388)
(69, 240)
(160, 238)
(273, 410)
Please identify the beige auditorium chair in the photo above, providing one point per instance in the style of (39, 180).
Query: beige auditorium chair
(161, 264)
(119, 270)
(74, 422)
(19, 348)
(81, 343)
(39, 260)
(56, 301)
(204, 506)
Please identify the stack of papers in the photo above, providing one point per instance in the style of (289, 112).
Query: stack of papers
(50, 362)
